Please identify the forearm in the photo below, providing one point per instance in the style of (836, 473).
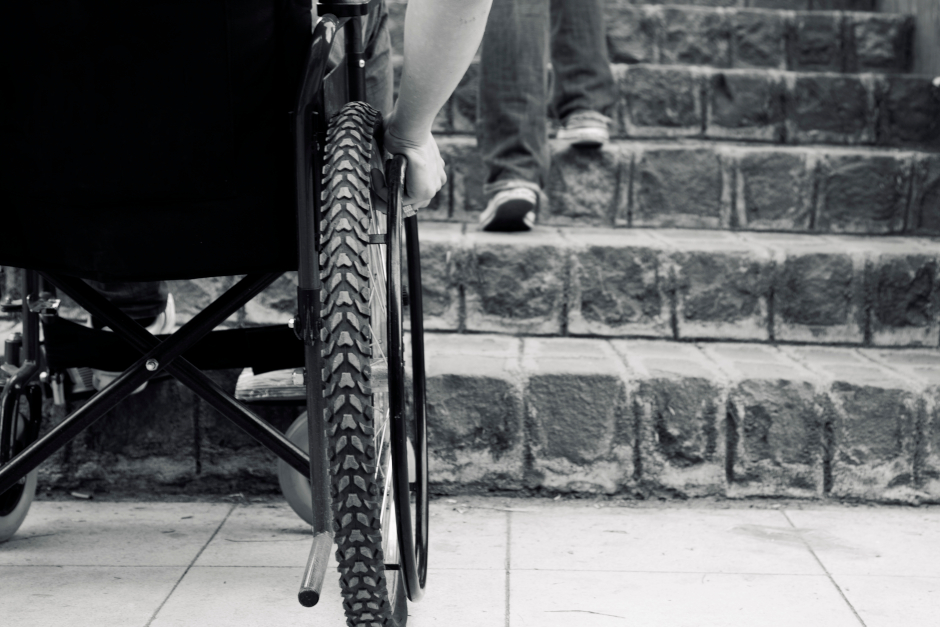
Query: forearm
(441, 37)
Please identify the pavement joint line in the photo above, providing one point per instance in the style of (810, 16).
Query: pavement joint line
(508, 561)
(826, 570)
(188, 568)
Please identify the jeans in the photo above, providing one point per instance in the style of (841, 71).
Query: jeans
(145, 300)
(512, 128)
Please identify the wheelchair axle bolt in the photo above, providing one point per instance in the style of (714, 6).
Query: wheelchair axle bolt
(152, 365)
(362, 63)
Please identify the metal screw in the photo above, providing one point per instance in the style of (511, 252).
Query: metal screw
(152, 365)
(291, 323)
(362, 62)
(44, 377)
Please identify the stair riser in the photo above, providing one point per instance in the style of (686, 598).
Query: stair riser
(588, 416)
(656, 101)
(707, 185)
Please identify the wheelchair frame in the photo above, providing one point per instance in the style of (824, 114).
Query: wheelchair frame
(320, 94)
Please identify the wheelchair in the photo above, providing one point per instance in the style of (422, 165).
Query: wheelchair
(269, 174)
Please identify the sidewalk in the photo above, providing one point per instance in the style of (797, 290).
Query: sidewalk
(495, 562)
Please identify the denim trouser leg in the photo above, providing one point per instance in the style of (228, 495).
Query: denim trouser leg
(512, 127)
(583, 79)
(143, 300)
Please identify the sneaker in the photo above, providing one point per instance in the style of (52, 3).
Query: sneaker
(165, 323)
(585, 129)
(511, 209)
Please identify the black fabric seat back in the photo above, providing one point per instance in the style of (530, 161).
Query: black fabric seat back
(149, 139)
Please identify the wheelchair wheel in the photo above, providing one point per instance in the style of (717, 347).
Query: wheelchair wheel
(355, 341)
(15, 502)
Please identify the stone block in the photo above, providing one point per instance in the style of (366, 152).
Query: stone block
(925, 199)
(722, 285)
(695, 38)
(583, 185)
(465, 175)
(678, 399)
(790, 5)
(746, 105)
(631, 33)
(759, 39)
(909, 112)
(676, 186)
(863, 193)
(515, 282)
(929, 471)
(773, 428)
(619, 285)
(819, 291)
(475, 415)
(905, 299)
(831, 109)
(441, 255)
(193, 295)
(882, 42)
(816, 42)
(844, 5)
(661, 101)
(775, 190)
(873, 420)
(576, 403)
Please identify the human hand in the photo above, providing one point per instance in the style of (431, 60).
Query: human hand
(425, 174)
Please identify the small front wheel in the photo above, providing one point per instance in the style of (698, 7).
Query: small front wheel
(15, 502)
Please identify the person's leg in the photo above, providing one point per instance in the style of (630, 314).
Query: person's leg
(511, 127)
(378, 47)
(583, 85)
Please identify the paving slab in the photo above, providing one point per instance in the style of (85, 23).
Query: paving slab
(113, 534)
(694, 541)
(564, 598)
(83, 596)
(889, 601)
(879, 542)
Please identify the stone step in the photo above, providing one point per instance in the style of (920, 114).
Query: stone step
(791, 5)
(638, 418)
(714, 185)
(759, 105)
(683, 285)
(831, 41)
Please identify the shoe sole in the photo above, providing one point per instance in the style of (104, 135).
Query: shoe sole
(510, 216)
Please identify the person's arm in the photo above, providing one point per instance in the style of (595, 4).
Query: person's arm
(441, 37)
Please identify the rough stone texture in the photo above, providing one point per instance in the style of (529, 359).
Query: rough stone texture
(882, 43)
(817, 42)
(873, 418)
(632, 33)
(746, 105)
(722, 285)
(775, 190)
(465, 177)
(925, 197)
(475, 412)
(515, 282)
(619, 286)
(819, 290)
(831, 109)
(904, 288)
(773, 431)
(441, 255)
(276, 304)
(695, 38)
(192, 296)
(758, 39)
(909, 112)
(677, 398)
(660, 101)
(677, 187)
(863, 193)
(584, 185)
(569, 378)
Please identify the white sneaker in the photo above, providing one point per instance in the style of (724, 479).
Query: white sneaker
(511, 209)
(165, 323)
(585, 129)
